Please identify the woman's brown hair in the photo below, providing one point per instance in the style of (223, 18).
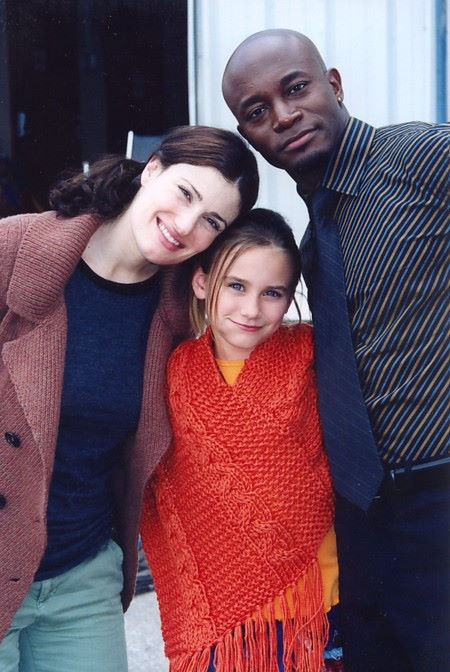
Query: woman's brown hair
(112, 182)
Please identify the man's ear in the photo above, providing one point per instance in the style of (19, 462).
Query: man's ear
(152, 168)
(334, 79)
(199, 283)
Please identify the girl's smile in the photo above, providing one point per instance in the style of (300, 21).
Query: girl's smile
(246, 327)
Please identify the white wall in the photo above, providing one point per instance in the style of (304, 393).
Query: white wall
(384, 50)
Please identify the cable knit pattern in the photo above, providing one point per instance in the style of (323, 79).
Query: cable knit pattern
(236, 512)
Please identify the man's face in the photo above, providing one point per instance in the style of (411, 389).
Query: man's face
(286, 105)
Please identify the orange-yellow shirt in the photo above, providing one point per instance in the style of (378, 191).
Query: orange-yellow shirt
(327, 553)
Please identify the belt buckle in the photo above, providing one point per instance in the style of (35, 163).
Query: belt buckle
(389, 485)
(419, 476)
(400, 479)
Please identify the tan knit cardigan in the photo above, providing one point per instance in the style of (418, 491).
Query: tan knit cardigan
(38, 253)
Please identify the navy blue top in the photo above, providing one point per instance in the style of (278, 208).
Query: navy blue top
(108, 326)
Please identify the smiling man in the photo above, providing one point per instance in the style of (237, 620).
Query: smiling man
(373, 258)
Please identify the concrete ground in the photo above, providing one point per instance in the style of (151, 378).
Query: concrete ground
(143, 633)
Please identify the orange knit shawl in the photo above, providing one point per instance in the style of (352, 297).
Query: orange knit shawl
(237, 510)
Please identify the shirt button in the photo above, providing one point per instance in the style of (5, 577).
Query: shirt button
(2, 502)
(12, 439)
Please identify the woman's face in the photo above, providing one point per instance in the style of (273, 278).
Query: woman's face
(178, 211)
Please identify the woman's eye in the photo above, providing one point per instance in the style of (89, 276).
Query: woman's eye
(214, 223)
(273, 292)
(186, 193)
(237, 286)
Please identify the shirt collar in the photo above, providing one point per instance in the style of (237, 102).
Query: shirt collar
(349, 162)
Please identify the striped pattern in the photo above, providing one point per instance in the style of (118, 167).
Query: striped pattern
(392, 216)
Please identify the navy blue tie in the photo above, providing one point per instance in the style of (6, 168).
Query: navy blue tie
(347, 433)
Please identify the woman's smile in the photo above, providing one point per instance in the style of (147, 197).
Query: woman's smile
(173, 242)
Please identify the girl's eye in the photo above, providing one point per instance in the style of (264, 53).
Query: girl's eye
(273, 292)
(186, 193)
(239, 287)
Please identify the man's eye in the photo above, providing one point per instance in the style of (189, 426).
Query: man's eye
(186, 193)
(296, 88)
(255, 113)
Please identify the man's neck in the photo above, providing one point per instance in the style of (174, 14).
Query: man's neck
(309, 177)
(306, 186)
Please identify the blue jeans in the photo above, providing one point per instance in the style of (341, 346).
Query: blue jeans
(72, 622)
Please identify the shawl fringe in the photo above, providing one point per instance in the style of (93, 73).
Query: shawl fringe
(251, 646)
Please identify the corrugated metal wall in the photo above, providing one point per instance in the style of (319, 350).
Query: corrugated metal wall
(384, 50)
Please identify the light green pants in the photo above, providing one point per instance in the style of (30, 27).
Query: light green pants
(71, 623)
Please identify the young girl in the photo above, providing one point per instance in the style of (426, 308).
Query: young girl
(237, 521)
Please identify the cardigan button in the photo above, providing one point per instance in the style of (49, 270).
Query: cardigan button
(12, 439)
(2, 502)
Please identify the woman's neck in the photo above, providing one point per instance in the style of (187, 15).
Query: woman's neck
(109, 256)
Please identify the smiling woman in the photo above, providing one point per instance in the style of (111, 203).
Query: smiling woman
(167, 210)
(90, 308)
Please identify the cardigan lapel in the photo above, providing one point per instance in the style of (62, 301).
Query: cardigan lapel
(49, 252)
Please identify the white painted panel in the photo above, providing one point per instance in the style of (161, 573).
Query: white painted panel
(384, 50)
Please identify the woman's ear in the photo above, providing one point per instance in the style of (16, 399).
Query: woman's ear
(199, 282)
(152, 169)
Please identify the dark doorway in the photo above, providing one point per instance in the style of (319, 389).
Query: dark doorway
(84, 72)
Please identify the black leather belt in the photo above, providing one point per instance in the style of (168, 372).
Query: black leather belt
(416, 477)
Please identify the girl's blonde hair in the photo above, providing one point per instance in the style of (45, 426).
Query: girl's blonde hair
(260, 227)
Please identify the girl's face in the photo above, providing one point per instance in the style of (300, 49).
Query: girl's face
(178, 211)
(252, 300)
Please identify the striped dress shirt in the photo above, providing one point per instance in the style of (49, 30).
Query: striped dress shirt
(392, 215)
